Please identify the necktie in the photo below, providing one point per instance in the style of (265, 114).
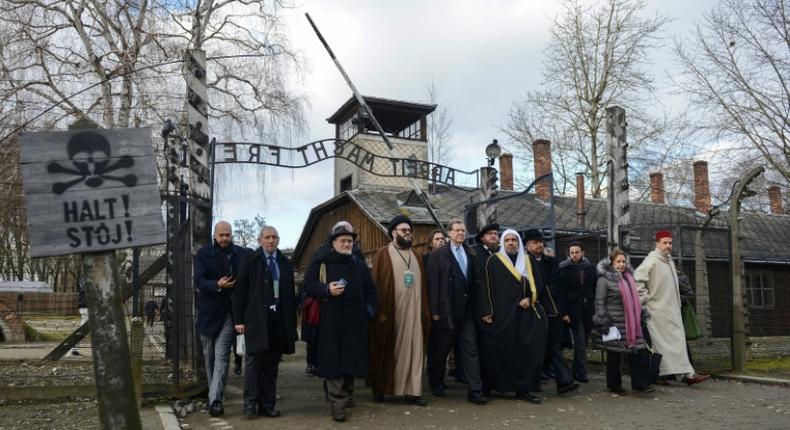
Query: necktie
(461, 259)
(273, 269)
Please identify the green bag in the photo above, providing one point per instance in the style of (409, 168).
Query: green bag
(690, 324)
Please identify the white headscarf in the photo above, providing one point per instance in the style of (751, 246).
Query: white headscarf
(520, 263)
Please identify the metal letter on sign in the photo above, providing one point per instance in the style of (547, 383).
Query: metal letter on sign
(90, 190)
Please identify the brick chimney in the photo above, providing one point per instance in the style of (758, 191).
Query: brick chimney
(580, 203)
(657, 187)
(506, 172)
(541, 152)
(701, 186)
(775, 198)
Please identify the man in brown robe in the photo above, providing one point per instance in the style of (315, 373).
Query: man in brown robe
(399, 330)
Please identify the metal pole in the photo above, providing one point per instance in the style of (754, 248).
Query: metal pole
(111, 360)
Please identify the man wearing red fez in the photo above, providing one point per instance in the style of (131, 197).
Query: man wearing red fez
(659, 292)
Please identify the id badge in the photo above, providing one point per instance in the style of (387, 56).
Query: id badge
(408, 278)
(276, 290)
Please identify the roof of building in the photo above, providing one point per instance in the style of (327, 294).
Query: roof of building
(765, 236)
(393, 115)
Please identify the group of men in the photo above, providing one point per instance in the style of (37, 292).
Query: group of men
(503, 304)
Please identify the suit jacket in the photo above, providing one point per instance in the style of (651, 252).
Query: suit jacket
(449, 291)
(553, 297)
(255, 294)
(213, 303)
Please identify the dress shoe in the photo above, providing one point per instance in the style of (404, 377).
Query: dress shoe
(438, 391)
(619, 391)
(526, 396)
(582, 378)
(477, 398)
(250, 411)
(568, 388)
(696, 379)
(216, 409)
(648, 389)
(339, 417)
(415, 400)
(271, 413)
(237, 370)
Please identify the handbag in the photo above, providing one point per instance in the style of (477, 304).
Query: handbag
(690, 323)
(312, 307)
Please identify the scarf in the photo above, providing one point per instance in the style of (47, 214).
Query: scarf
(522, 266)
(631, 308)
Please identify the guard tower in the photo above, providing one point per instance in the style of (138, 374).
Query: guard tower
(404, 123)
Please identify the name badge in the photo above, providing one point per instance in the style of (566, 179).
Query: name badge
(408, 278)
(276, 290)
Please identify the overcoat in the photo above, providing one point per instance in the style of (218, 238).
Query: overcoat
(254, 294)
(213, 303)
(609, 309)
(343, 329)
(382, 326)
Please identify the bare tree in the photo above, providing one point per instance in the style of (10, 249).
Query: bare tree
(440, 132)
(595, 60)
(736, 71)
(246, 231)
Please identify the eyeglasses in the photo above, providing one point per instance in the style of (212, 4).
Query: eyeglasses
(403, 230)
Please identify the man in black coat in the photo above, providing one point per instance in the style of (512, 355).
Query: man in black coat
(580, 280)
(348, 298)
(264, 310)
(452, 283)
(215, 269)
(553, 300)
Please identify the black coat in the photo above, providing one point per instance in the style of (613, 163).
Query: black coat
(213, 303)
(255, 294)
(553, 296)
(343, 328)
(580, 281)
(449, 292)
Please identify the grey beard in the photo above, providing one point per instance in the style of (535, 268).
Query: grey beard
(402, 243)
(345, 252)
(512, 254)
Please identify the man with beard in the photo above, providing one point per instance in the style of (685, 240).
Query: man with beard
(264, 310)
(215, 268)
(657, 282)
(553, 300)
(514, 323)
(399, 330)
(487, 245)
(452, 283)
(580, 281)
(348, 300)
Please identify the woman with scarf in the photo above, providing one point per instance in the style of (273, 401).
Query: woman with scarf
(617, 305)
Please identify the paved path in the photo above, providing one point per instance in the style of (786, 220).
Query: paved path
(715, 404)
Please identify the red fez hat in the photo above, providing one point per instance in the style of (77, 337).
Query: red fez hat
(662, 234)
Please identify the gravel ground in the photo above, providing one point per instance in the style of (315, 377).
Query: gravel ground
(73, 415)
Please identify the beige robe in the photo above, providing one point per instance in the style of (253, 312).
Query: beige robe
(409, 354)
(657, 282)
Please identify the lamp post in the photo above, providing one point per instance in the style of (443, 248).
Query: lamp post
(489, 179)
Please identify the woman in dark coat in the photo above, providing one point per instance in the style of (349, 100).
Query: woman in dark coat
(617, 305)
(348, 300)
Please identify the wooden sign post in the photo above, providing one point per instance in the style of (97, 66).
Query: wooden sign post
(91, 191)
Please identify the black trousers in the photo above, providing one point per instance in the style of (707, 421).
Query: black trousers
(554, 357)
(637, 365)
(464, 333)
(580, 330)
(260, 378)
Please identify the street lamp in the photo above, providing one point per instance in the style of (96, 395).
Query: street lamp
(493, 150)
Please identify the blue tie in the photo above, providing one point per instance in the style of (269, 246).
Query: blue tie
(461, 260)
(273, 269)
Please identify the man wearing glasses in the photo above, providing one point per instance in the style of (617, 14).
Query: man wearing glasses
(399, 330)
(452, 278)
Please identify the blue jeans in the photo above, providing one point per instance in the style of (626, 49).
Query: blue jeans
(216, 355)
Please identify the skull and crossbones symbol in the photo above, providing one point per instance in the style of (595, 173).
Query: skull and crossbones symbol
(89, 152)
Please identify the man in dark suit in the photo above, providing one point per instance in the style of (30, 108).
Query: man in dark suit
(264, 310)
(215, 269)
(452, 279)
(580, 281)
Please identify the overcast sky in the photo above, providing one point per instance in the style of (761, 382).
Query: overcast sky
(481, 55)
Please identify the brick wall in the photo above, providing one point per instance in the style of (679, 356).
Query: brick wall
(41, 303)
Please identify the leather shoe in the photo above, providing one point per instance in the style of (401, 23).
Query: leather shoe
(568, 387)
(696, 379)
(477, 398)
(237, 370)
(341, 417)
(438, 391)
(216, 409)
(526, 396)
(250, 411)
(648, 389)
(271, 413)
(415, 400)
(619, 391)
